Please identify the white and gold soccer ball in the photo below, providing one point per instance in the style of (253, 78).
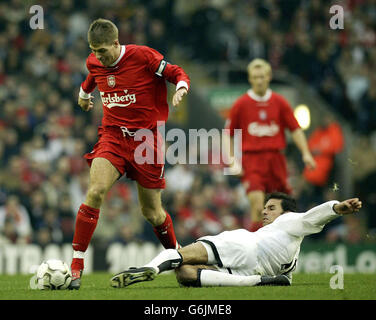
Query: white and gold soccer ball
(53, 274)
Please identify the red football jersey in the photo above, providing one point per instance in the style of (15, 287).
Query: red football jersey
(263, 121)
(133, 89)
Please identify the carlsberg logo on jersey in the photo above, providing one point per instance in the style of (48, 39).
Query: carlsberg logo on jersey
(111, 100)
(263, 130)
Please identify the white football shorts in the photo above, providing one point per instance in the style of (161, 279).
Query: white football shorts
(233, 252)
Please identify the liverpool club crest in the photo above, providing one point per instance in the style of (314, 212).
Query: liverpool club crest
(263, 115)
(111, 81)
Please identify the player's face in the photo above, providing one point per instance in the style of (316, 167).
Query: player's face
(106, 54)
(259, 79)
(272, 210)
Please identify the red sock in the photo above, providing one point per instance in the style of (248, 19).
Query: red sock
(166, 234)
(77, 265)
(255, 225)
(86, 221)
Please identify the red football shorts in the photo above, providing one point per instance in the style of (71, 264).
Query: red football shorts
(141, 161)
(265, 171)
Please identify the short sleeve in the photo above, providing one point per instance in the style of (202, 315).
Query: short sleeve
(232, 122)
(154, 60)
(287, 115)
(157, 65)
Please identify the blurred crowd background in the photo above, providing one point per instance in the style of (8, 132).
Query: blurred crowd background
(44, 134)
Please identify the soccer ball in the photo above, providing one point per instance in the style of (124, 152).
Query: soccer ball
(53, 275)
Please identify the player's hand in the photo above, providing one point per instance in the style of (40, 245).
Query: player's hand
(309, 161)
(348, 206)
(86, 104)
(236, 169)
(178, 96)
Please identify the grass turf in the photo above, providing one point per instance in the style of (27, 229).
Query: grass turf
(96, 287)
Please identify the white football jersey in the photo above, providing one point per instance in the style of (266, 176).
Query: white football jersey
(278, 243)
(271, 250)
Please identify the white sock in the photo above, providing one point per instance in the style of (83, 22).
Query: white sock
(79, 254)
(212, 278)
(167, 260)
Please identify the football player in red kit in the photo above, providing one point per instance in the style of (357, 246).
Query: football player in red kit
(263, 116)
(131, 82)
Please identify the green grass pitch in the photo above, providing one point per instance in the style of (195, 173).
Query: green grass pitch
(96, 286)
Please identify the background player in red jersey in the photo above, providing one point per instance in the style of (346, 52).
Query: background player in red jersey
(131, 82)
(263, 116)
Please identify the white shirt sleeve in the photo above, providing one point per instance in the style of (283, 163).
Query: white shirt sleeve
(181, 84)
(306, 223)
(83, 94)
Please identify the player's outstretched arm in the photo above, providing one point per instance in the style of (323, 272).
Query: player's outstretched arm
(314, 220)
(348, 206)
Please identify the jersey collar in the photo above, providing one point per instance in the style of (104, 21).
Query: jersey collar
(122, 52)
(256, 97)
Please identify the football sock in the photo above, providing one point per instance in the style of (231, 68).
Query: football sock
(166, 234)
(212, 278)
(86, 221)
(255, 225)
(78, 261)
(77, 265)
(79, 254)
(167, 260)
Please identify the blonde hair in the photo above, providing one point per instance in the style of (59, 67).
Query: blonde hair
(102, 31)
(259, 63)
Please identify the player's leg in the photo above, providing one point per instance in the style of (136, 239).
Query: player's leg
(194, 265)
(152, 210)
(102, 176)
(166, 260)
(190, 275)
(279, 174)
(199, 264)
(198, 268)
(255, 168)
(256, 200)
(221, 252)
(170, 259)
(210, 276)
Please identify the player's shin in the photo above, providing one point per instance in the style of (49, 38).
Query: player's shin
(167, 260)
(166, 234)
(212, 278)
(86, 222)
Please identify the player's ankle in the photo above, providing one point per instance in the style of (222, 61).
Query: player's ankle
(77, 264)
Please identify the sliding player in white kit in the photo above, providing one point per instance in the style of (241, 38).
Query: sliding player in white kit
(242, 258)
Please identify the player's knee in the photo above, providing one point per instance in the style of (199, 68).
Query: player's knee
(148, 210)
(257, 203)
(257, 209)
(256, 206)
(96, 193)
(187, 276)
(153, 214)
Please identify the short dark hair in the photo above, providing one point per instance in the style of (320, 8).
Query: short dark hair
(102, 31)
(288, 203)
